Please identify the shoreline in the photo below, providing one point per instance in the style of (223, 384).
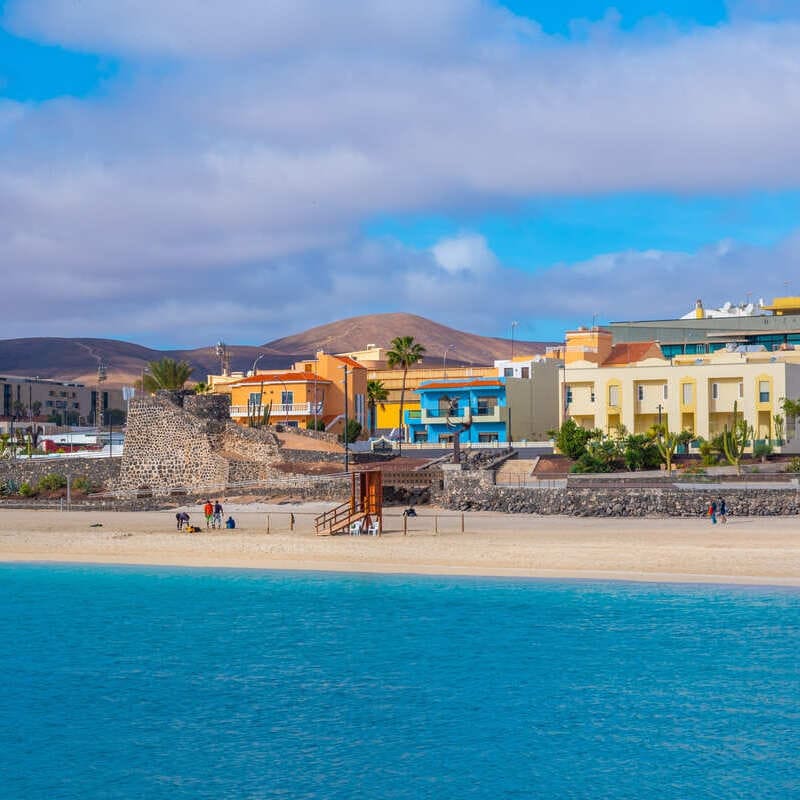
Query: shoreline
(747, 551)
(589, 576)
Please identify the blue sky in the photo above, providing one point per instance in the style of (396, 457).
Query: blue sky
(460, 159)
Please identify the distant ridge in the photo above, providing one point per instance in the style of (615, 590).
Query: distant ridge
(77, 359)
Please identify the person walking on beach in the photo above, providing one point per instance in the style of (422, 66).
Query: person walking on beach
(712, 512)
(723, 511)
(183, 519)
(217, 523)
(208, 511)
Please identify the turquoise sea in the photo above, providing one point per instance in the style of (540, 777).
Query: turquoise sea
(141, 682)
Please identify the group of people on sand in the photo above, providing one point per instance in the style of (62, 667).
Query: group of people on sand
(213, 515)
(718, 509)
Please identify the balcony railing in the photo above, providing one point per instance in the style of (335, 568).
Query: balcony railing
(277, 410)
(479, 414)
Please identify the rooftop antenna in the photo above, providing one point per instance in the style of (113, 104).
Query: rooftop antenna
(224, 356)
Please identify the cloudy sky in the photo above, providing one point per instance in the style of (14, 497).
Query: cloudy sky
(173, 172)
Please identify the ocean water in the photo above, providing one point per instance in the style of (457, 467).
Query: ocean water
(163, 683)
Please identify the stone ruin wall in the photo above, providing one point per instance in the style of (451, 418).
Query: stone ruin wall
(182, 440)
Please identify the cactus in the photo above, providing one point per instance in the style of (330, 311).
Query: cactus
(666, 443)
(734, 441)
(266, 415)
(778, 422)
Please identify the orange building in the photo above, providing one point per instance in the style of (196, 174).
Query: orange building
(311, 392)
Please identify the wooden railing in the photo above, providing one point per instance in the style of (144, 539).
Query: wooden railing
(337, 519)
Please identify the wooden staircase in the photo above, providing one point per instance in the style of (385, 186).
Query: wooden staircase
(366, 500)
(338, 519)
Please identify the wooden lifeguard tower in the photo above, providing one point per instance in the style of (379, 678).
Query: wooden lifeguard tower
(365, 506)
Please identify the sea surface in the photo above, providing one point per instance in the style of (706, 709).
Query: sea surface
(142, 682)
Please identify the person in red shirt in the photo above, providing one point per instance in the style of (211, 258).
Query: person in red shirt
(208, 510)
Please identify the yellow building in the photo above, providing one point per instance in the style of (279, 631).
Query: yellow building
(633, 385)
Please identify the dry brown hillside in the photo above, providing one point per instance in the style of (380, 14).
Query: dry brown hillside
(356, 333)
(77, 359)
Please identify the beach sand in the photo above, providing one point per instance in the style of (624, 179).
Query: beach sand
(746, 550)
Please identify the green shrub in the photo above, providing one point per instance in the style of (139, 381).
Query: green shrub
(26, 490)
(81, 484)
(762, 450)
(794, 465)
(51, 482)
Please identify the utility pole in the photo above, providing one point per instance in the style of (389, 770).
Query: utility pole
(346, 448)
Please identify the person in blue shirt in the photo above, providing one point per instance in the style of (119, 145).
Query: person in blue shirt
(230, 522)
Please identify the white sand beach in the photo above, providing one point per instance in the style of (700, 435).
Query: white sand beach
(746, 550)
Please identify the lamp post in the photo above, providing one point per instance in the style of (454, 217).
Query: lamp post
(513, 327)
(257, 359)
(444, 359)
(345, 437)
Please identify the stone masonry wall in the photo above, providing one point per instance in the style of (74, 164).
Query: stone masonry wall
(473, 496)
(167, 445)
(99, 471)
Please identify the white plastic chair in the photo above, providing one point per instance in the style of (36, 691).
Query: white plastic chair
(374, 528)
(356, 527)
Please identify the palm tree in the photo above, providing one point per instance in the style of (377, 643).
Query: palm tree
(166, 374)
(376, 393)
(405, 353)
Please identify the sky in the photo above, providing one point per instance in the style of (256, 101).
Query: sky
(174, 173)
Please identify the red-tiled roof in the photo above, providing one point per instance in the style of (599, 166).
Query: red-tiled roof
(351, 362)
(461, 385)
(277, 377)
(631, 352)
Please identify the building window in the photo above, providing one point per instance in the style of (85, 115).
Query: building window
(287, 398)
(763, 391)
(255, 398)
(420, 436)
(686, 390)
(569, 395)
(486, 406)
(591, 395)
(715, 391)
(639, 392)
(613, 395)
(445, 438)
(448, 407)
(741, 388)
(526, 372)
(487, 437)
(666, 392)
(508, 372)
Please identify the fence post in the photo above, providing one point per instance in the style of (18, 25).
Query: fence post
(267, 523)
(405, 525)
(462, 522)
(291, 522)
(436, 524)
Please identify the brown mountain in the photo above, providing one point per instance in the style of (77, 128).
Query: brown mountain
(356, 333)
(78, 359)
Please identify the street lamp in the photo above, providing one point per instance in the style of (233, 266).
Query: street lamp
(258, 358)
(513, 327)
(444, 359)
(345, 437)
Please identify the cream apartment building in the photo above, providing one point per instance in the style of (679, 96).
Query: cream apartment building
(632, 384)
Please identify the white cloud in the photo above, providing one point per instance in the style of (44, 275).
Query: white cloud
(253, 141)
(466, 253)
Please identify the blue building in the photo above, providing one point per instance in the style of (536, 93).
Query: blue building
(446, 405)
